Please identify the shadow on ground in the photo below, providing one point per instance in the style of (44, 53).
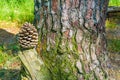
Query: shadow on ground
(6, 37)
(8, 41)
(9, 74)
(8, 44)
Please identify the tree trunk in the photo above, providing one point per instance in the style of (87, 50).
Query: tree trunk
(72, 42)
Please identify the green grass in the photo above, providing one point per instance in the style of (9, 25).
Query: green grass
(114, 2)
(22, 10)
(114, 45)
(110, 24)
(17, 10)
(4, 57)
(8, 51)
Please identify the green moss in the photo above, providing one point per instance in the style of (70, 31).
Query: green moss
(58, 62)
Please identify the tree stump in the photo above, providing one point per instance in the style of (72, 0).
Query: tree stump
(33, 65)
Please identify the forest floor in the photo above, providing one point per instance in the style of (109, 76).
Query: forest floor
(10, 66)
(113, 39)
(9, 62)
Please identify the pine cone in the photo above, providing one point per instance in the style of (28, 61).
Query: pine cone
(28, 36)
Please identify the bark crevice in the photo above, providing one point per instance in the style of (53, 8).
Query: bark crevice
(72, 38)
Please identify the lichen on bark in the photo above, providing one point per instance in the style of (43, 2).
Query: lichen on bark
(72, 38)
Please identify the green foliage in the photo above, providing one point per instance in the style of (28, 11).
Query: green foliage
(4, 57)
(111, 24)
(16, 10)
(7, 52)
(114, 3)
(114, 45)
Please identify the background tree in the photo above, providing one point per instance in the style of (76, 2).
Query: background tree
(72, 42)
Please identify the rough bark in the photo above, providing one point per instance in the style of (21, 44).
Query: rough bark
(72, 40)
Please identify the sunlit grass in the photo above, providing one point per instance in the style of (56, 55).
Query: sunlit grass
(22, 10)
(17, 10)
(110, 25)
(4, 57)
(114, 2)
